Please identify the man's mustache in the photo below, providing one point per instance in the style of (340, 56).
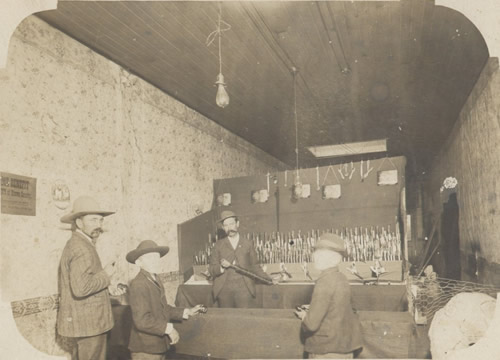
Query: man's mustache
(97, 231)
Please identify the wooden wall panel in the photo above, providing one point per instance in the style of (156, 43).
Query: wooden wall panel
(362, 203)
(192, 237)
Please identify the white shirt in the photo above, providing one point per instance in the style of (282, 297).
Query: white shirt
(234, 243)
(234, 240)
(85, 236)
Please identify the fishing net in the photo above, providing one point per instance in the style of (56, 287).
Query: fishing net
(429, 294)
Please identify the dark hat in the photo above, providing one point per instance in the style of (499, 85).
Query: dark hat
(329, 241)
(84, 205)
(145, 247)
(225, 215)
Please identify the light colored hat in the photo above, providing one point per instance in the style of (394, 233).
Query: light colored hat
(333, 242)
(145, 247)
(84, 205)
(226, 214)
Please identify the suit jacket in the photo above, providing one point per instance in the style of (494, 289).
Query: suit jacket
(84, 306)
(245, 257)
(150, 315)
(331, 324)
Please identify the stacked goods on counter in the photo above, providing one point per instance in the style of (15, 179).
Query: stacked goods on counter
(362, 244)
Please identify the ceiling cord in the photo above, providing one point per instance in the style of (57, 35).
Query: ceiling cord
(294, 72)
(218, 32)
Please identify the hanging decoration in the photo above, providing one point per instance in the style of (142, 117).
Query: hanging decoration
(449, 187)
(60, 194)
(387, 177)
(364, 174)
(224, 199)
(302, 191)
(331, 191)
(448, 183)
(297, 189)
(222, 98)
(346, 172)
(259, 196)
(318, 187)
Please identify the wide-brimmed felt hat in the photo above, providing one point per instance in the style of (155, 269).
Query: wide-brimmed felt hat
(84, 205)
(329, 241)
(226, 214)
(145, 247)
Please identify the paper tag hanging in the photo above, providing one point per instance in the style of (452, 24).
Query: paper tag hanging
(387, 177)
(259, 196)
(224, 199)
(331, 191)
(302, 191)
(306, 190)
(264, 195)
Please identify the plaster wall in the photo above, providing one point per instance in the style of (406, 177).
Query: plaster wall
(472, 155)
(69, 115)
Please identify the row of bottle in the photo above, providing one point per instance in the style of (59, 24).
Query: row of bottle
(361, 243)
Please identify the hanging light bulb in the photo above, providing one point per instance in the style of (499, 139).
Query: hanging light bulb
(222, 98)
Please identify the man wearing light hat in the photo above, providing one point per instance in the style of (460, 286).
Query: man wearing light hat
(230, 288)
(152, 330)
(84, 306)
(331, 327)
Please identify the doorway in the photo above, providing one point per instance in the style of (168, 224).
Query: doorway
(450, 236)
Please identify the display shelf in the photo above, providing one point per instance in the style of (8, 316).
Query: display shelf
(393, 271)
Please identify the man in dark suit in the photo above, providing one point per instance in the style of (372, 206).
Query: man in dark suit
(84, 308)
(230, 288)
(332, 329)
(152, 330)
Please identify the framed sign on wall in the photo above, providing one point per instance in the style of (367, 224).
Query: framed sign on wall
(18, 194)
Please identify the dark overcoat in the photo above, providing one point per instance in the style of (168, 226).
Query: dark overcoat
(244, 256)
(331, 325)
(150, 315)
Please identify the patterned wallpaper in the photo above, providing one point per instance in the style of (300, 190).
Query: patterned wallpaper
(472, 156)
(69, 115)
(39, 304)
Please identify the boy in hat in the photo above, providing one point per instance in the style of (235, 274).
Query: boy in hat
(152, 331)
(332, 329)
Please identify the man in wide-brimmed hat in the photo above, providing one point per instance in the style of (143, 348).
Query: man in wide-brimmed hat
(152, 330)
(332, 329)
(84, 307)
(231, 288)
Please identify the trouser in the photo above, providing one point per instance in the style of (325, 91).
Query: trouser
(235, 294)
(331, 356)
(145, 356)
(91, 347)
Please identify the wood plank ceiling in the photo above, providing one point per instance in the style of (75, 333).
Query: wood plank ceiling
(400, 70)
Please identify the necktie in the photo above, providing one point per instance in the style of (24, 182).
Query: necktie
(155, 279)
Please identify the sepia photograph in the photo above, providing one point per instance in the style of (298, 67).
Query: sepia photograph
(212, 180)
